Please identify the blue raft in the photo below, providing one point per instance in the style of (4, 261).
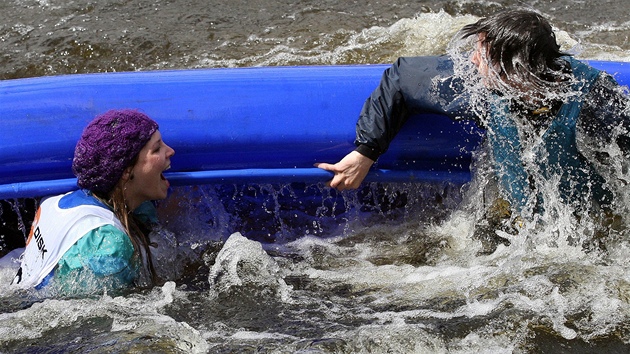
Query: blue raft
(244, 125)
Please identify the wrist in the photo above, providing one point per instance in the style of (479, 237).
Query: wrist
(369, 152)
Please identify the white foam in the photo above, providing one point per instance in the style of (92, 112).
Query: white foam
(243, 262)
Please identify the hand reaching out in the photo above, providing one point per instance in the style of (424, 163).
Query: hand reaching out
(349, 172)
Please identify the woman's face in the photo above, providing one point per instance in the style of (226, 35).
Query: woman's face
(146, 181)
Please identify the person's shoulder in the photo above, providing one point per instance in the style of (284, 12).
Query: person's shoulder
(78, 198)
(107, 239)
(429, 61)
(413, 71)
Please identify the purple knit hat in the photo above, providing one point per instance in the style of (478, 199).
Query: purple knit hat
(107, 147)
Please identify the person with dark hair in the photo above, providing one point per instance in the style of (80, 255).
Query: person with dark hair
(549, 119)
(96, 238)
(522, 48)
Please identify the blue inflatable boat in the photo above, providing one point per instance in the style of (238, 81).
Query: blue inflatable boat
(244, 125)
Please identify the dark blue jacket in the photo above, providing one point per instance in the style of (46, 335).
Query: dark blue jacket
(426, 84)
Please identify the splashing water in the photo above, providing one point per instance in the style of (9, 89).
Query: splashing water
(390, 268)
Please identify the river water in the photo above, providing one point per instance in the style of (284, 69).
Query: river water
(389, 268)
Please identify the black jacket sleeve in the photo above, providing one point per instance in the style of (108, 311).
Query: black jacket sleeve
(410, 86)
(605, 116)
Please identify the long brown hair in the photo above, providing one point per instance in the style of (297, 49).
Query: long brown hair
(139, 238)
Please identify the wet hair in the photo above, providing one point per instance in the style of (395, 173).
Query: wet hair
(136, 229)
(523, 45)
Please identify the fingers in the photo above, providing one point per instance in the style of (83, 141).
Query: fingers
(342, 181)
(349, 172)
(337, 182)
(329, 167)
(326, 166)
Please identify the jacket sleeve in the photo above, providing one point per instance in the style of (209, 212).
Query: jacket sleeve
(605, 117)
(102, 258)
(410, 86)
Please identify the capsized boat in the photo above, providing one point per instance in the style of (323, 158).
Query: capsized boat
(228, 125)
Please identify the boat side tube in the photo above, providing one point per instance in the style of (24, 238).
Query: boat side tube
(244, 125)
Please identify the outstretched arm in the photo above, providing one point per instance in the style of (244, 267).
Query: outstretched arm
(407, 87)
(382, 116)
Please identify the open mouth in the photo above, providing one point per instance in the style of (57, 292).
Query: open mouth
(162, 174)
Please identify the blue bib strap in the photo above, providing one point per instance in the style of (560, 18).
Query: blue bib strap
(506, 150)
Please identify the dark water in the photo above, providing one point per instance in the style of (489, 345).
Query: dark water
(387, 269)
(51, 37)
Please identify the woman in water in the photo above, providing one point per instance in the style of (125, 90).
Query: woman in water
(96, 238)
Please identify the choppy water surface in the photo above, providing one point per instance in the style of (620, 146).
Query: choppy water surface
(390, 268)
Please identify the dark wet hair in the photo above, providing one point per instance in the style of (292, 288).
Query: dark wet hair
(523, 43)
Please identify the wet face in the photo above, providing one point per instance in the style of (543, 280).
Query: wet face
(145, 180)
(479, 56)
(481, 59)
